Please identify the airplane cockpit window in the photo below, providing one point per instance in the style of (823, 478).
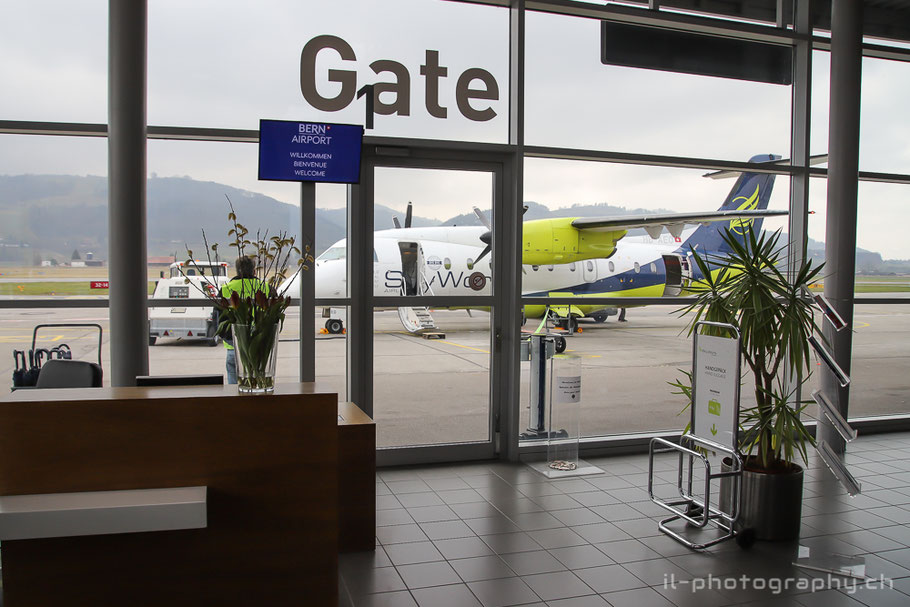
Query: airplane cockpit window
(337, 253)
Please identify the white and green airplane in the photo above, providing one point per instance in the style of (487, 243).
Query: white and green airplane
(562, 257)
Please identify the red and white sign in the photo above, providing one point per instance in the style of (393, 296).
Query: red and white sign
(99, 284)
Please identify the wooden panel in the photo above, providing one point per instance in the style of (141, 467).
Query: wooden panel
(270, 463)
(357, 479)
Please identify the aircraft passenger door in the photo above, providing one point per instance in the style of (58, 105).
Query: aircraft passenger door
(410, 262)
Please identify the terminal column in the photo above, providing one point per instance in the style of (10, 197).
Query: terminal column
(127, 41)
(843, 178)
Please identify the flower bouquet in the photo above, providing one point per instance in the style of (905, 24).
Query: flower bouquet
(251, 307)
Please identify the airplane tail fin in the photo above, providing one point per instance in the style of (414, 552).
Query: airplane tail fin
(752, 191)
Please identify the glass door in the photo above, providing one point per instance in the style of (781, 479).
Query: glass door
(433, 307)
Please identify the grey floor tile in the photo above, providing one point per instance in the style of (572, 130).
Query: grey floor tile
(626, 551)
(533, 521)
(657, 571)
(540, 489)
(446, 484)
(581, 557)
(387, 502)
(609, 578)
(422, 575)
(901, 557)
(398, 516)
(399, 534)
(462, 548)
(639, 527)
(897, 514)
(382, 579)
(504, 543)
(515, 505)
(446, 530)
(417, 552)
(869, 541)
(475, 510)
(577, 516)
(594, 498)
(492, 524)
(629, 495)
(530, 563)
(460, 496)
(601, 532)
(481, 568)
(408, 486)
(386, 599)
(552, 503)
(685, 596)
(431, 514)
(557, 585)
(827, 598)
(880, 597)
(591, 600)
(637, 597)
(503, 592)
(617, 512)
(458, 595)
(415, 500)
(559, 537)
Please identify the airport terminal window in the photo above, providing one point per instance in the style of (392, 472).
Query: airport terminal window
(642, 111)
(884, 122)
(55, 59)
(615, 376)
(434, 84)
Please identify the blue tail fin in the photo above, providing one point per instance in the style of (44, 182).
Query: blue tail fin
(751, 191)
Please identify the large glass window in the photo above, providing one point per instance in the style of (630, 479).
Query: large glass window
(54, 64)
(602, 107)
(627, 366)
(443, 70)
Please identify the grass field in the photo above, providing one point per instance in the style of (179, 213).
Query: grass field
(32, 289)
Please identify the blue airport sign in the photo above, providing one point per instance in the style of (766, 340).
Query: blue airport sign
(309, 151)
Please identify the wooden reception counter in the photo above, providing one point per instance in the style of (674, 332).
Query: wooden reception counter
(270, 465)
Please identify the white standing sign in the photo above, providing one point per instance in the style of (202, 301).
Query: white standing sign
(568, 389)
(715, 370)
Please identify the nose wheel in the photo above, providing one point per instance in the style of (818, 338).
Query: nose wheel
(334, 326)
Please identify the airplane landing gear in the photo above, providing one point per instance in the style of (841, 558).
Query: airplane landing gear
(334, 326)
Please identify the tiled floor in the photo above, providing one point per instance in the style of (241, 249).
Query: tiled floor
(496, 534)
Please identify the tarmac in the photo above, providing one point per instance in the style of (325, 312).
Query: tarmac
(438, 391)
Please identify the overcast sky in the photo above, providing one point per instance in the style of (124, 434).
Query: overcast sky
(229, 63)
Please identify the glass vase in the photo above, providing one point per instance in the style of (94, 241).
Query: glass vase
(257, 357)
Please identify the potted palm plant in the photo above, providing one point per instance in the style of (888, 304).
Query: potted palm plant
(747, 288)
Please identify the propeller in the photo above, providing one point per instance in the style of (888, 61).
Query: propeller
(487, 237)
(407, 217)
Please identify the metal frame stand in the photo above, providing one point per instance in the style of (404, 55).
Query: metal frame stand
(698, 509)
(715, 398)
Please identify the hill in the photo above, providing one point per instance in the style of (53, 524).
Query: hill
(51, 216)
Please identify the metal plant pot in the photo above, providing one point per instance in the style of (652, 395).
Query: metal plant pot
(770, 504)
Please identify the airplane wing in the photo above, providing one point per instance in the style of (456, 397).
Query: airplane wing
(674, 222)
